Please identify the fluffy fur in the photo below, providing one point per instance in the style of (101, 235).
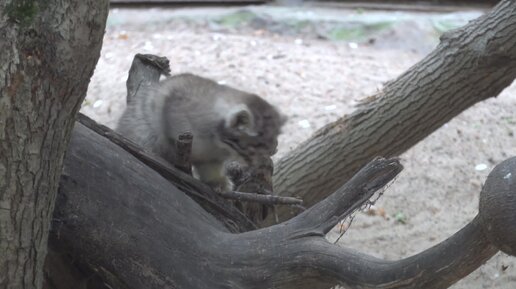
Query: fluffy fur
(227, 124)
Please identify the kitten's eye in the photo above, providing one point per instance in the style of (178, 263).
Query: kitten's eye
(242, 121)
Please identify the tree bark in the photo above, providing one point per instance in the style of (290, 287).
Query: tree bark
(471, 64)
(48, 52)
(135, 229)
(119, 216)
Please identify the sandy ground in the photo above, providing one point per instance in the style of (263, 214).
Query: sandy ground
(297, 60)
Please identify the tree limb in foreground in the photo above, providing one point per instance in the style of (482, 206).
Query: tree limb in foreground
(120, 219)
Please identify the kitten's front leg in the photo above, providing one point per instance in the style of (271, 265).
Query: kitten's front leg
(213, 174)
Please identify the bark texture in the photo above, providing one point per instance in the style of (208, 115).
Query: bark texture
(48, 52)
(471, 64)
(135, 229)
(118, 216)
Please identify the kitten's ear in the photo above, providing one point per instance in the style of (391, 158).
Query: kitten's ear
(240, 119)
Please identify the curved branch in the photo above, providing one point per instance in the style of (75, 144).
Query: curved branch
(437, 267)
(305, 251)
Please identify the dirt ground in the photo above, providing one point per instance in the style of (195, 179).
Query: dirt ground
(314, 64)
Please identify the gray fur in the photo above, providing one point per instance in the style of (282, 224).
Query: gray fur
(227, 124)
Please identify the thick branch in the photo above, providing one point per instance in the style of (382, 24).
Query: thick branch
(113, 207)
(471, 64)
(159, 237)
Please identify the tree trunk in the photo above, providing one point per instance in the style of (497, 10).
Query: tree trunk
(471, 64)
(49, 50)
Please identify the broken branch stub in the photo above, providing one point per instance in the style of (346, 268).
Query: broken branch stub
(184, 152)
(146, 69)
(253, 189)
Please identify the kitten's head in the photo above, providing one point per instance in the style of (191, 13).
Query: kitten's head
(247, 125)
(252, 128)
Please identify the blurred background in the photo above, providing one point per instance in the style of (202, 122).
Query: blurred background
(316, 60)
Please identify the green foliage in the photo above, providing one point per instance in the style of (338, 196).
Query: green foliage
(400, 217)
(509, 120)
(22, 11)
(86, 102)
(346, 33)
(298, 25)
(236, 19)
(442, 26)
(359, 11)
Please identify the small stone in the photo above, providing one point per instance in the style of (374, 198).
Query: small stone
(353, 45)
(304, 123)
(97, 103)
(480, 167)
(330, 107)
(148, 46)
